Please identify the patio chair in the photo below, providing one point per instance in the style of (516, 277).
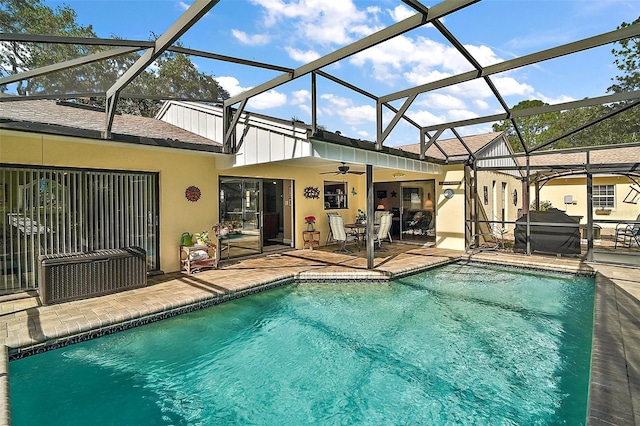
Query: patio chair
(383, 230)
(330, 239)
(627, 234)
(376, 219)
(336, 225)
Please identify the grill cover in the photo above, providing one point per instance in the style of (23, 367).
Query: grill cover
(549, 239)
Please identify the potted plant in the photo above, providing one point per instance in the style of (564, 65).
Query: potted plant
(361, 217)
(310, 221)
(202, 238)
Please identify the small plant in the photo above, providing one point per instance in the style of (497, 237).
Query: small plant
(202, 236)
(310, 219)
(361, 216)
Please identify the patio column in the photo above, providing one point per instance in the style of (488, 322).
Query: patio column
(370, 217)
(537, 199)
(589, 209)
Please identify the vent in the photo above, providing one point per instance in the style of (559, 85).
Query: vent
(65, 277)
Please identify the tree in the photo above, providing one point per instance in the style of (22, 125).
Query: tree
(621, 128)
(173, 74)
(535, 129)
(628, 61)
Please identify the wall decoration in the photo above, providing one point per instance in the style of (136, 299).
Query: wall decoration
(448, 193)
(312, 192)
(353, 191)
(514, 196)
(192, 193)
(381, 194)
(393, 194)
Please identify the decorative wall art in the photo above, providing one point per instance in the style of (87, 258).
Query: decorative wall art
(312, 192)
(192, 193)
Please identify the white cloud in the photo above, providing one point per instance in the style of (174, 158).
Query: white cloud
(266, 100)
(359, 114)
(480, 104)
(510, 86)
(348, 113)
(231, 85)
(441, 101)
(300, 97)
(557, 100)
(183, 5)
(362, 133)
(251, 40)
(301, 56)
(323, 22)
(460, 114)
(400, 13)
(425, 118)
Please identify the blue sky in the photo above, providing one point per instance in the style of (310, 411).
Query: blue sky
(293, 32)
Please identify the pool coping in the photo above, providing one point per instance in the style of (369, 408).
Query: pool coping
(611, 391)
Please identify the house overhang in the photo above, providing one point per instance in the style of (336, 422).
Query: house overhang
(292, 148)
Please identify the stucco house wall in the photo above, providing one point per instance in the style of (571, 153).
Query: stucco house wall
(576, 187)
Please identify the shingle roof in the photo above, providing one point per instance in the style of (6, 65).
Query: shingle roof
(617, 155)
(453, 147)
(65, 119)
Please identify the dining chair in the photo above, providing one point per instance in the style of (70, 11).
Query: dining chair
(336, 224)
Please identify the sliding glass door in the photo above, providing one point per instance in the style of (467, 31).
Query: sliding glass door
(240, 206)
(57, 211)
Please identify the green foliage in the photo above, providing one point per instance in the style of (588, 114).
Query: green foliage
(621, 128)
(628, 61)
(172, 75)
(544, 205)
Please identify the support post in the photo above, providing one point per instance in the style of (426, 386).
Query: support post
(476, 219)
(537, 204)
(370, 217)
(589, 209)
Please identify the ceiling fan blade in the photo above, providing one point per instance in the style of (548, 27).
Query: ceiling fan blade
(328, 173)
(356, 173)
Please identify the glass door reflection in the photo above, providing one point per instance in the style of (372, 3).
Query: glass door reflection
(240, 206)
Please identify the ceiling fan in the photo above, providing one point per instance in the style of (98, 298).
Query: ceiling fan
(344, 169)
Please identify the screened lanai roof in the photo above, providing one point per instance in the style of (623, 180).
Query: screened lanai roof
(393, 107)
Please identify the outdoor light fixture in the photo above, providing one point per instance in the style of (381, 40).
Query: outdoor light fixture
(398, 175)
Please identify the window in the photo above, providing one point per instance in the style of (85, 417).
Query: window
(335, 195)
(604, 196)
(55, 211)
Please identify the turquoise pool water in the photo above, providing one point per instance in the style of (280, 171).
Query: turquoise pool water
(457, 345)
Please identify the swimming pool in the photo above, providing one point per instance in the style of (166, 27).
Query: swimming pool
(459, 344)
